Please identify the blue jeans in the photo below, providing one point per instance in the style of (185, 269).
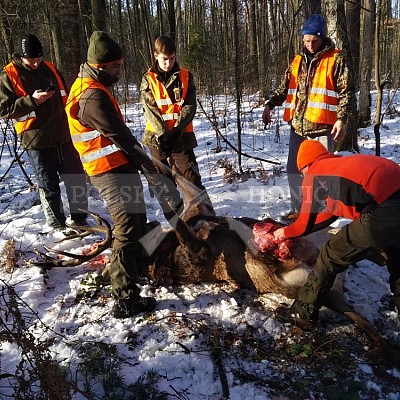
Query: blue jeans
(51, 166)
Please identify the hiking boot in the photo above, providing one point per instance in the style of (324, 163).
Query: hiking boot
(80, 221)
(66, 231)
(285, 315)
(129, 307)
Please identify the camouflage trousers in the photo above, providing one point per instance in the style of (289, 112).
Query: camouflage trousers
(181, 171)
(378, 230)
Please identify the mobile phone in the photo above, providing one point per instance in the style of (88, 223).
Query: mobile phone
(50, 88)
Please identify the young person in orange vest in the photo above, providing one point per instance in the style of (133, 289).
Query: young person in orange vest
(363, 188)
(32, 96)
(112, 157)
(317, 90)
(168, 95)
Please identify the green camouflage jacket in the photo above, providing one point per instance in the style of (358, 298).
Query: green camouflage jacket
(187, 140)
(344, 87)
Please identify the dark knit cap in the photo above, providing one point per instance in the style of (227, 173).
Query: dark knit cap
(29, 46)
(315, 25)
(102, 49)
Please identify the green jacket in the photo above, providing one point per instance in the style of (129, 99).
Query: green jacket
(51, 126)
(344, 86)
(152, 114)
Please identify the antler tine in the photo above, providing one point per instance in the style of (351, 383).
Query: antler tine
(77, 259)
(102, 227)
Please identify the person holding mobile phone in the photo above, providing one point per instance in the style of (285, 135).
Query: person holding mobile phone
(32, 96)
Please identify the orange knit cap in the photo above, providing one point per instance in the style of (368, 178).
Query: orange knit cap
(309, 151)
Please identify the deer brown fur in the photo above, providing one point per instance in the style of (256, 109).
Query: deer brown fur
(222, 249)
(228, 253)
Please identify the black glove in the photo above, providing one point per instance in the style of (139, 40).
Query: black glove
(167, 140)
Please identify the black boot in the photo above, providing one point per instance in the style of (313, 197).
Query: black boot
(125, 308)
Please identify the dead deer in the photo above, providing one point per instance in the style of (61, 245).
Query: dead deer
(222, 249)
(229, 254)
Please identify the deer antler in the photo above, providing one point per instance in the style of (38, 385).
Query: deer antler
(73, 260)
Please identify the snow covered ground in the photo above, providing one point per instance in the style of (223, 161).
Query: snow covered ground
(204, 341)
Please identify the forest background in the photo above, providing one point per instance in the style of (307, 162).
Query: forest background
(233, 47)
(237, 49)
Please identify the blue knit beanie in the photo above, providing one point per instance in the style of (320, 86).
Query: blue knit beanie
(315, 25)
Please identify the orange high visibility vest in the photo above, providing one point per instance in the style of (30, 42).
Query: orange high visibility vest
(323, 98)
(24, 123)
(97, 152)
(170, 110)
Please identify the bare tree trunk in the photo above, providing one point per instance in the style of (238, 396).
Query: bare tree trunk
(337, 31)
(312, 7)
(135, 73)
(5, 30)
(148, 50)
(353, 10)
(378, 84)
(54, 31)
(160, 18)
(99, 17)
(368, 13)
(238, 79)
(71, 49)
(253, 53)
(273, 34)
(85, 10)
(171, 20)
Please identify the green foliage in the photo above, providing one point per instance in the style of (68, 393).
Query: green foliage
(145, 388)
(334, 392)
(93, 280)
(301, 350)
(92, 285)
(302, 384)
(101, 365)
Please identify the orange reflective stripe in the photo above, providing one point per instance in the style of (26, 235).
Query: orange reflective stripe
(98, 154)
(169, 108)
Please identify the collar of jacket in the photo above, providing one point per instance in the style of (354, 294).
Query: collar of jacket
(327, 45)
(165, 76)
(87, 71)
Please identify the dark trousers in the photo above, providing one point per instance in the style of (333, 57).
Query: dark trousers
(377, 230)
(294, 178)
(51, 166)
(181, 172)
(122, 191)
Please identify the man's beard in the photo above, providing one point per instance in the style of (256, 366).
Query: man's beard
(115, 78)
